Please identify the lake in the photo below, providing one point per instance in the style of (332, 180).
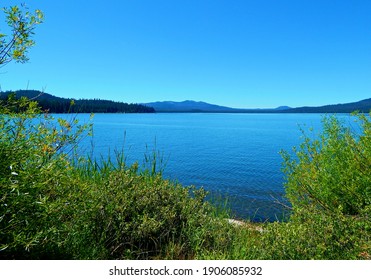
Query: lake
(233, 156)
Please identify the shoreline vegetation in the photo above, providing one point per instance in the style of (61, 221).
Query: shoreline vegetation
(56, 204)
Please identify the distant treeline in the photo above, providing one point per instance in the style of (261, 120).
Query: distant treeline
(362, 106)
(54, 104)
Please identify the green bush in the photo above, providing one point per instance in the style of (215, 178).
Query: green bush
(33, 164)
(54, 204)
(329, 187)
(316, 236)
(138, 215)
(333, 172)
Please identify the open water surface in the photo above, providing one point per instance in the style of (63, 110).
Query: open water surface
(233, 156)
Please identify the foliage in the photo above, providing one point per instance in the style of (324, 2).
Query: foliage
(22, 24)
(139, 215)
(329, 187)
(33, 161)
(332, 173)
(317, 235)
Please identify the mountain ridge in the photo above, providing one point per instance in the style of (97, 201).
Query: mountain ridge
(363, 106)
(62, 105)
(189, 106)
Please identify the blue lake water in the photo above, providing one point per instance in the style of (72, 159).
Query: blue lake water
(233, 156)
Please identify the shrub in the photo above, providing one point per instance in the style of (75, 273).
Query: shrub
(34, 169)
(329, 186)
(128, 214)
(333, 172)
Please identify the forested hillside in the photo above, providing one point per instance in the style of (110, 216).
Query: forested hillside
(55, 104)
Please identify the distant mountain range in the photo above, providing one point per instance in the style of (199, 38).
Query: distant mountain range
(189, 106)
(63, 105)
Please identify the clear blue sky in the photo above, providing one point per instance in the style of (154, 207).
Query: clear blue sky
(237, 53)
